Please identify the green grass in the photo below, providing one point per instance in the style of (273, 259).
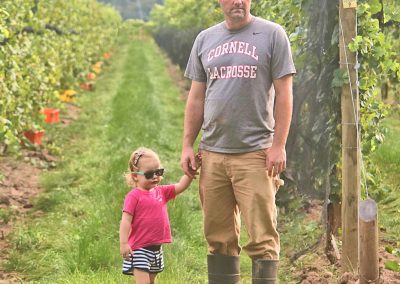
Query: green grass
(387, 159)
(76, 241)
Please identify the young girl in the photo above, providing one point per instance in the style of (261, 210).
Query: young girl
(145, 225)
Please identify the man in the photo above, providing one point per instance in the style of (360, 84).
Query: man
(241, 98)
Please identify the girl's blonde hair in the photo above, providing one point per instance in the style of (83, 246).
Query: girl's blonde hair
(136, 160)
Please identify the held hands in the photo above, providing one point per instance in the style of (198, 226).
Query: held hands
(125, 251)
(190, 172)
(276, 160)
(190, 163)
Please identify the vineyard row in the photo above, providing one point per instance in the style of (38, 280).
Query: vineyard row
(46, 48)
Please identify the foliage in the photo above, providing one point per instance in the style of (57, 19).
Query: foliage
(319, 125)
(133, 9)
(186, 14)
(6, 215)
(387, 191)
(392, 265)
(384, 186)
(44, 47)
(379, 71)
(176, 26)
(313, 143)
(177, 43)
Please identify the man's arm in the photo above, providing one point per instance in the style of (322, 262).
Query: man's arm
(193, 121)
(276, 155)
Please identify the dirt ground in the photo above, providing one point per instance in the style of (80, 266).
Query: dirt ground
(19, 185)
(319, 272)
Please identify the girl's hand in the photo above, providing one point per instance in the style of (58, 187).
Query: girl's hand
(197, 158)
(125, 251)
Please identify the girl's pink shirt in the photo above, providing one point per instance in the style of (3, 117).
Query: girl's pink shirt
(150, 222)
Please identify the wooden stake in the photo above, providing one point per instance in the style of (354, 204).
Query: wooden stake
(350, 139)
(329, 225)
(369, 242)
(332, 227)
(335, 247)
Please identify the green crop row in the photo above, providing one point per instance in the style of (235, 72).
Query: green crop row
(45, 46)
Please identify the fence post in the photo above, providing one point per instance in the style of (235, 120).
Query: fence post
(369, 242)
(351, 170)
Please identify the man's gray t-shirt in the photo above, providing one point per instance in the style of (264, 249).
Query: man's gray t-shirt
(238, 67)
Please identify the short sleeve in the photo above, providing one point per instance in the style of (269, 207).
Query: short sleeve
(130, 203)
(168, 192)
(281, 59)
(194, 69)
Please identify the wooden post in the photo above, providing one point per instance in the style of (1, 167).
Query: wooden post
(369, 243)
(332, 228)
(350, 138)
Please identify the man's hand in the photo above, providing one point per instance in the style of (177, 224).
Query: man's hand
(188, 162)
(276, 160)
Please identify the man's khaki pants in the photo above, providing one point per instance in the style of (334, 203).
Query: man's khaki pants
(237, 184)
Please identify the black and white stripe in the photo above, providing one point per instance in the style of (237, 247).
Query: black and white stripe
(143, 259)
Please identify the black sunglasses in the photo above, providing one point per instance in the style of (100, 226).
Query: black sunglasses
(150, 174)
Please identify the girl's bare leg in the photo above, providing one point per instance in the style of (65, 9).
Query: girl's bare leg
(142, 277)
(153, 278)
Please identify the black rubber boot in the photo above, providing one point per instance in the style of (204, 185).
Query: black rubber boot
(223, 269)
(265, 271)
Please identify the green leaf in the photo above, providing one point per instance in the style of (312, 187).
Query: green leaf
(375, 6)
(392, 265)
(396, 252)
(389, 249)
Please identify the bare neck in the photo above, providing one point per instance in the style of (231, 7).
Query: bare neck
(234, 24)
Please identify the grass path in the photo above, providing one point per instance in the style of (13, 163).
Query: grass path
(134, 104)
(387, 157)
